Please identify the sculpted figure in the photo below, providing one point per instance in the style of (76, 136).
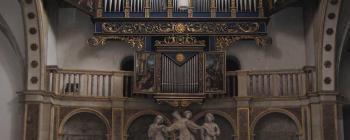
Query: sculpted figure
(193, 127)
(156, 130)
(211, 129)
(182, 126)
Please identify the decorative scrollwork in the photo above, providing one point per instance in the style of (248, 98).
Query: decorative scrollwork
(99, 41)
(227, 41)
(96, 41)
(180, 28)
(180, 103)
(179, 41)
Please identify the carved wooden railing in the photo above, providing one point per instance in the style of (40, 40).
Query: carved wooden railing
(88, 83)
(283, 83)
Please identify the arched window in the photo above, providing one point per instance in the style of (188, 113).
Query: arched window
(225, 126)
(232, 63)
(276, 126)
(84, 126)
(139, 127)
(127, 63)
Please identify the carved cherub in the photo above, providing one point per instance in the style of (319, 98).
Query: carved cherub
(211, 129)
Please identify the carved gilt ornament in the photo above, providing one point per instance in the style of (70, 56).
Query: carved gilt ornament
(100, 41)
(180, 28)
(179, 41)
(227, 41)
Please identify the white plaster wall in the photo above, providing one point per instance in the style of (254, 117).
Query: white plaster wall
(11, 82)
(11, 71)
(74, 29)
(288, 49)
(310, 18)
(12, 13)
(50, 21)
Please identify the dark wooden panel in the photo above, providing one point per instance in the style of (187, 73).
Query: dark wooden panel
(329, 126)
(243, 124)
(32, 121)
(117, 125)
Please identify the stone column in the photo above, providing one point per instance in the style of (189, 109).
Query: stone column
(118, 124)
(243, 119)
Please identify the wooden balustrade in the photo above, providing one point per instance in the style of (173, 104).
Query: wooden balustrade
(283, 83)
(86, 83)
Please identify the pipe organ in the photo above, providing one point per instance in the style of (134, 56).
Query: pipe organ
(197, 6)
(114, 5)
(201, 5)
(180, 53)
(247, 5)
(223, 5)
(180, 78)
(158, 5)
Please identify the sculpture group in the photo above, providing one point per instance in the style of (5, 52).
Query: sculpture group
(185, 128)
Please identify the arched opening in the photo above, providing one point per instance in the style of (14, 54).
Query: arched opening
(138, 129)
(232, 64)
(225, 126)
(84, 126)
(276, 126)
(127, 64)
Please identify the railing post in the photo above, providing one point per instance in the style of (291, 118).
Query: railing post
(261, 9)
(83, 89)
(190, 9)
(276, 85)
(233, 8)
(147, 9)
(56, 77)
(127, 8)
(170, 8)
(117, 85)
(99, 8)
(213, 8)
(303, 84)
(242, 78)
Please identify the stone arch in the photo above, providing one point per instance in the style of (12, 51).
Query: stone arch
(327, 64)
(5, 29)
(85, 110)
(35, 52)
(148, 116)
(198, 118)
(282, 112)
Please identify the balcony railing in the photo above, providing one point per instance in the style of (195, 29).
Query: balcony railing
(283, 83)
(88, 83)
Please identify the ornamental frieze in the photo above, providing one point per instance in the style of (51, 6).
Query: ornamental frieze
(214, 28)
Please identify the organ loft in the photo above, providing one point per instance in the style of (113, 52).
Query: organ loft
(182, 70)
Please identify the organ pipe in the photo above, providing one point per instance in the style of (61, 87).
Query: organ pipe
(179, 78)
(200, 5)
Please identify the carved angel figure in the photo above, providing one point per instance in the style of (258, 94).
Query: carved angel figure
(183, 126)
(156, 130)
(211, 129)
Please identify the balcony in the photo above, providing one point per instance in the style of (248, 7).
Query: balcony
(255, 84)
